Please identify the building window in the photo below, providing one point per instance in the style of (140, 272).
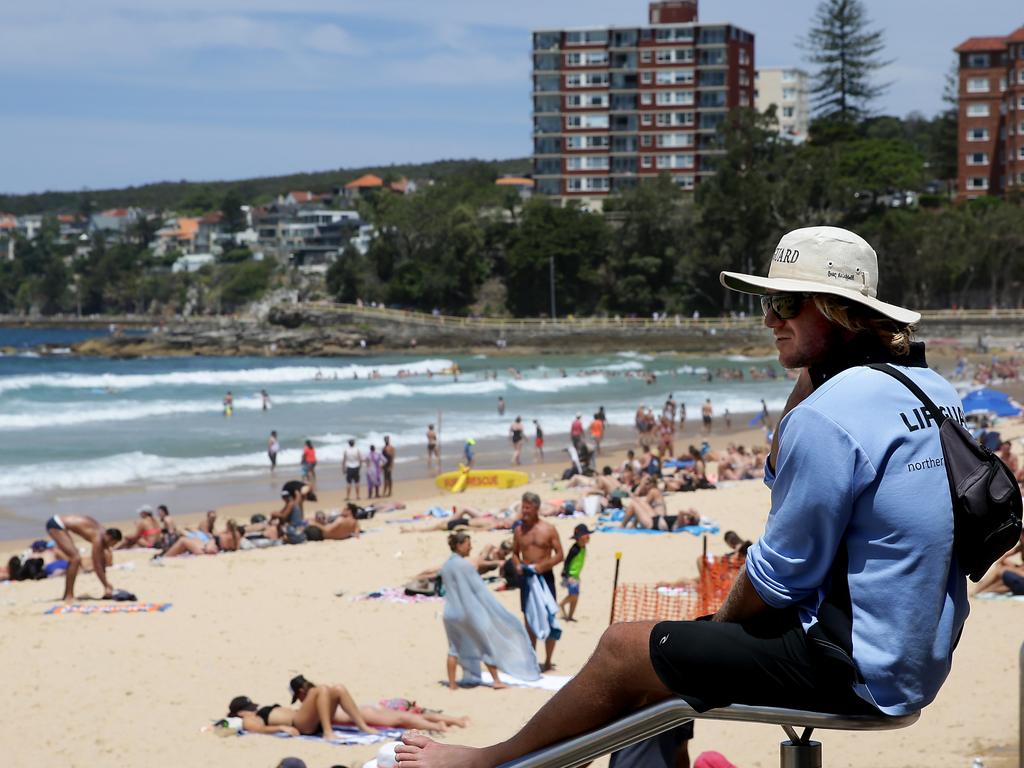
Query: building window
(1002, 84)
(789, 94)
(686, 182)
(645, 98)
(645, 140)
(675, 77)
(977, 134)
(664, 119)
(978, 110)
(977, 182)
(646, 78)
(978, 60)
(977, 158)
(645, 57)
(645, 120)
(675, 139)
(744, 57)
(977, 85)
(668, 98)
(788, 111)
(645, 161)
(744, 77)
(1020, 76)
(789, 76)
(1020, 153)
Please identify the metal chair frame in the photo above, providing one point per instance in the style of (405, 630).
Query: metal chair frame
(795, 752)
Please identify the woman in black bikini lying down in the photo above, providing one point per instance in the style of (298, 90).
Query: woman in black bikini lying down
(314, 717)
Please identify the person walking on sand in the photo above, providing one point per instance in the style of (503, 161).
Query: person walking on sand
(536, 550)
(538, 442)
(576, 431)
(706, 413)
(853, 599)
(388, 451)
(682, 417)
(60, 528)
(515, 433)
(351, 461)
(273, 448)
(433, 450)
(480, 630)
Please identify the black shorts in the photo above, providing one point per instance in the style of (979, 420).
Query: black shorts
(549, 579)
(769, 662)
(352, 474)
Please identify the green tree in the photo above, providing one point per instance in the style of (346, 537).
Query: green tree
(231, 207)
(847, 54)
(239, 284)
(574, 241)
(736, 216)
(653, 224)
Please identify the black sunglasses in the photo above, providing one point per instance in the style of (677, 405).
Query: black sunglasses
(786, 306)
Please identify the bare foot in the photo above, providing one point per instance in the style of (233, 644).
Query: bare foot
(419, 751)
(547, 666)
(453, 687)
(498, 685)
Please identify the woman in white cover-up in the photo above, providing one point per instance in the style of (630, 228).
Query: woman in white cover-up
(480, 630)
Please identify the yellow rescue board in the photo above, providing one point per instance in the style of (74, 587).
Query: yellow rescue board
(458, 481)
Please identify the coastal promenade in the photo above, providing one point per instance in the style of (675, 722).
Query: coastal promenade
(328, 328)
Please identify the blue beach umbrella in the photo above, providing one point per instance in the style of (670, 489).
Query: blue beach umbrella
(990, 400)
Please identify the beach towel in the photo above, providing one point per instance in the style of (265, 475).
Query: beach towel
(696, 530)
(481, 630)
(999, 596)
(544, 682)
(59, 610)
(396, 595)
(541, 609)
(344, 735)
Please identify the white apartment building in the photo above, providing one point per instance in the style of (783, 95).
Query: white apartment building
(787, 88)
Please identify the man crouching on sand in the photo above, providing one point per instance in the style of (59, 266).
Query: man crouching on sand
(851, 601)
(60, 528)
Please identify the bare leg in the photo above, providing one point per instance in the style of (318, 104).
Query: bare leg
(618, 678)
(497, 684)
(350, 708)
(549, 649)
(67, 547)
(452, 664)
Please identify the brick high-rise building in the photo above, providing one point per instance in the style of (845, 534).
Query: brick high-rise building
(990, 122)
(615, 105)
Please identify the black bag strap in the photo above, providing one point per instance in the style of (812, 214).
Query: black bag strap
(937, 415)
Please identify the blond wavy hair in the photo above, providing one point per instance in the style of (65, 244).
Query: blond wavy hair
(892, 335)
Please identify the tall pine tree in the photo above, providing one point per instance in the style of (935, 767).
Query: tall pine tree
(847, 54)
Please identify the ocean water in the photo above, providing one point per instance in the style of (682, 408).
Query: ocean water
(73, 425)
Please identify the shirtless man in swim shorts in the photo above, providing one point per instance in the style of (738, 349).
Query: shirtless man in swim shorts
(60, 528)
(535, 543)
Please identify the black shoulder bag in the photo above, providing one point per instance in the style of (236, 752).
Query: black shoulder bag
(986, 499)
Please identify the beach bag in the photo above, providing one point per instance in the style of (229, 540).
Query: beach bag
(986, 499)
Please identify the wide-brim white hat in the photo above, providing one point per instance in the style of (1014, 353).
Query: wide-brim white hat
(823, 260)
(385, 757)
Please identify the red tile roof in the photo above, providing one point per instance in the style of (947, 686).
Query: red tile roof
(368, 181)
(514, 181)
(402, 185)
(1016, 37)
(301, 197)
(981, 44)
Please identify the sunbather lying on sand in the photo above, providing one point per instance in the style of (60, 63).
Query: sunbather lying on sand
(148, 531)
(343, 526)
(640, 514)
(382, 717)
(314, 717)
(467, 517)
(204, 543)
(738, 553)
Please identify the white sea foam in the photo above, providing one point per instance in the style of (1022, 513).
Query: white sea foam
(224, 378)
(635, 355)
(557, 385)
(630, 366)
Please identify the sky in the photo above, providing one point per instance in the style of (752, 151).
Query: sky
(109, 93)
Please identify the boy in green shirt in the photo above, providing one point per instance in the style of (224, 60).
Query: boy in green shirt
(571, 571)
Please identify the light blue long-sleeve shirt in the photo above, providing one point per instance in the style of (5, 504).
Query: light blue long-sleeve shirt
(859, 461)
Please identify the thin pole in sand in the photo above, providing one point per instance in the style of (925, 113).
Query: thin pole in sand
(615, 584)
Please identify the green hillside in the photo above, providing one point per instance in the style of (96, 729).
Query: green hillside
(208, 194)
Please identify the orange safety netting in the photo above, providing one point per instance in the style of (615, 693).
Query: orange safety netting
(646, 602)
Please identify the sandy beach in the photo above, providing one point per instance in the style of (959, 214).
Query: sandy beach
(137, 689)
